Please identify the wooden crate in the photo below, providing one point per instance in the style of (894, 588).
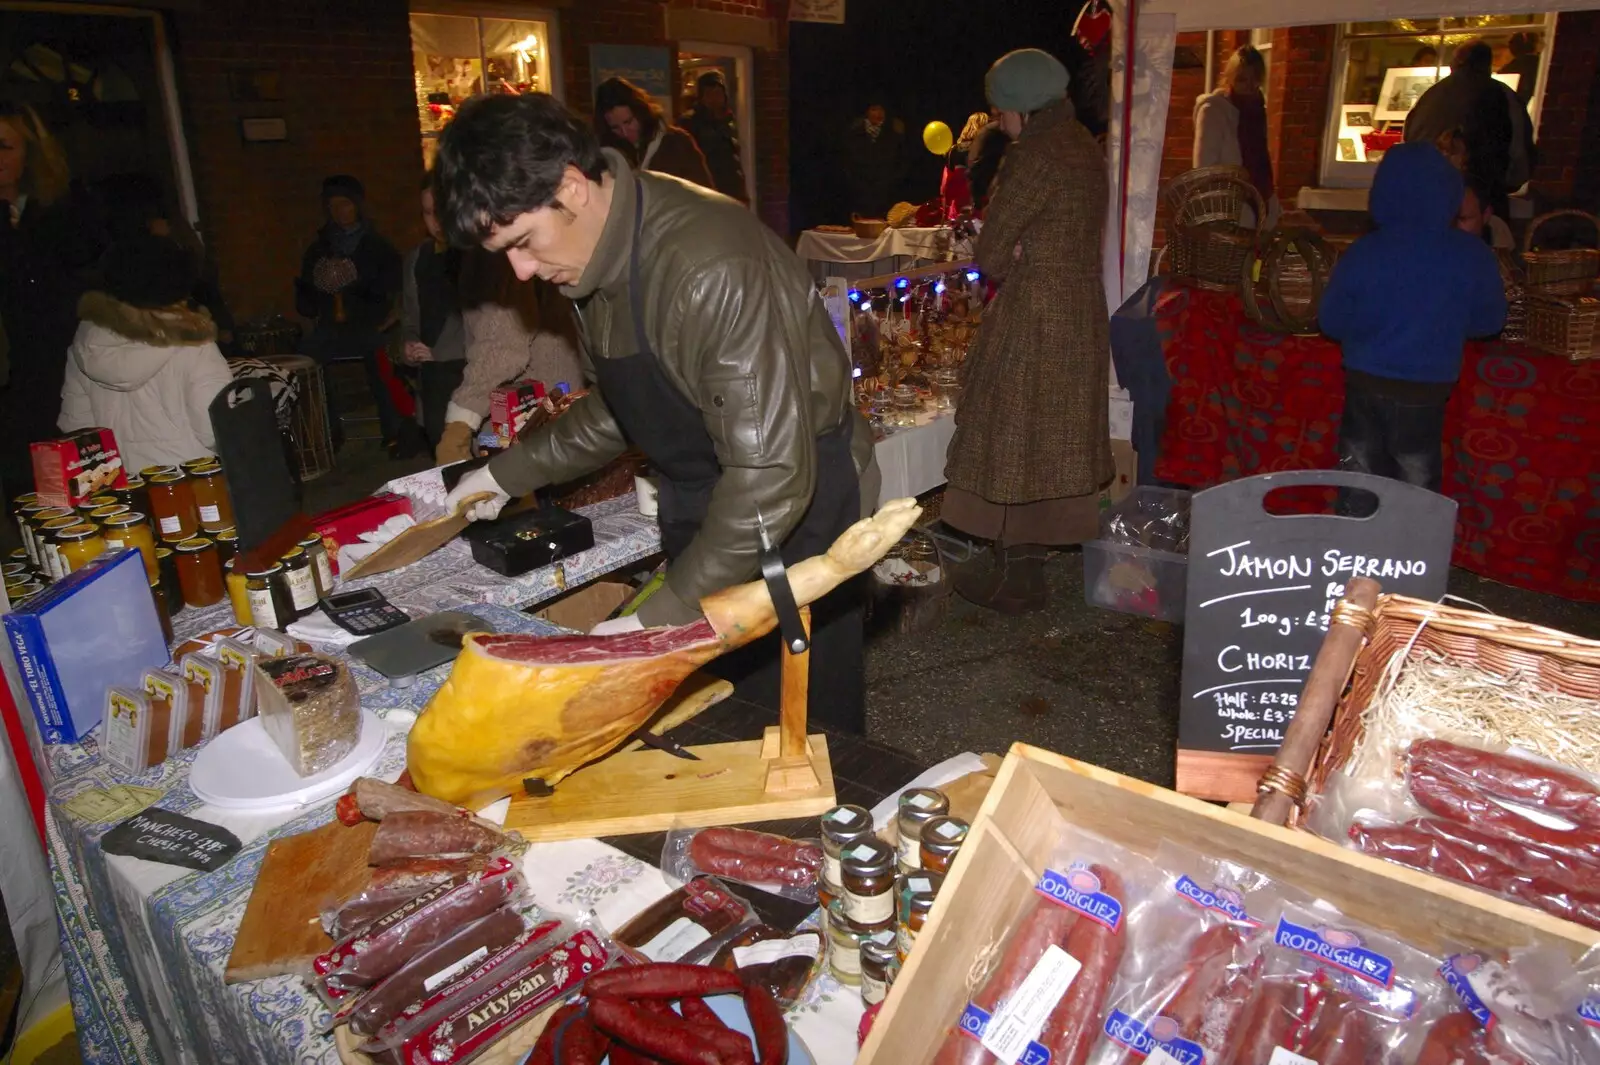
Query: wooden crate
(1016, 830)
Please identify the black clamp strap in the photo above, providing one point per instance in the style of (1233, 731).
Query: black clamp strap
(777, 578)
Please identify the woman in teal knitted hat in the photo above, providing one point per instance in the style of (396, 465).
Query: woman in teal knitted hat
(1032, 447)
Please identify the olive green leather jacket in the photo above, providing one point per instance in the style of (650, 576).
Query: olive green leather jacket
(734, 319)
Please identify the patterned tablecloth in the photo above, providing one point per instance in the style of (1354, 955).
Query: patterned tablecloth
(1522, 435)
(145, 944)
(449, 579)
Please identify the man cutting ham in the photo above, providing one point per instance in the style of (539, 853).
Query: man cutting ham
(706, 347)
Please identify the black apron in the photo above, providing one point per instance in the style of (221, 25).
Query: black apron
(664, 424)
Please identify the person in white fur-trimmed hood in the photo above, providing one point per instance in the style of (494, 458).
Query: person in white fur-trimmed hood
(144, 363)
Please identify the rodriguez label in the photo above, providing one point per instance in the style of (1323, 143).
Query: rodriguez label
(1079, 889)
(1160, 1034)
(1589, 1011)
(1338, 947)
(1457, 971)
(1218, 899)
(975, 1021)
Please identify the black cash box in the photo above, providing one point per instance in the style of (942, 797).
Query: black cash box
(528, 539)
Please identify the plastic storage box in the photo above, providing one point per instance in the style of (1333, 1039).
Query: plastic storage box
(1140, 564)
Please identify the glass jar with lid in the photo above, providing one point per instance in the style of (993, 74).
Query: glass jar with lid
(321, 567)
(49, 550)
(878, 960)
(844, 943)
(199, 572)
(210, 488)
(78, 545)
(841, 826)
(238, 586)
(172, 508)
(919, 903)
(132, 530)
(101, 514)
(268, 593)
(941, 839)
(93, 503)
(38, 516)
(906, 405)
(190, 465)
(150, 471)
(162, 614)
(918, 806)
(27, 523)
(171, 589)
(227, 544)
(134, 493)
(297, 571)
(868, 876)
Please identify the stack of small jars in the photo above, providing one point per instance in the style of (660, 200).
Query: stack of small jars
(876, 897)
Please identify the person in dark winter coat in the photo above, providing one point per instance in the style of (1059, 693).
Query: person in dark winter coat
(1487, 117)
(348, 286)
(983, 161)
(1402, 327)
(711, 124)
(627, 119)
(47, 248)
(874, 162)
(434, 340)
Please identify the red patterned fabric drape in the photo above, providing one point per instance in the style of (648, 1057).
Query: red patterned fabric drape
(1522, 435)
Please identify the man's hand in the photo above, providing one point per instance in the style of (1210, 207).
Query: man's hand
(616, 626)
(479, 480)
(455, 444)
(417, 352)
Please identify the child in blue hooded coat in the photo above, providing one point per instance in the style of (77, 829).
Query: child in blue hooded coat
(1402, 302)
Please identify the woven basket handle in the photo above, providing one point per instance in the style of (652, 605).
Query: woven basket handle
(1533, 227)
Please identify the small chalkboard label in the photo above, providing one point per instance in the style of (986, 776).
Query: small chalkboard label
(1261, 590)
(159, 835)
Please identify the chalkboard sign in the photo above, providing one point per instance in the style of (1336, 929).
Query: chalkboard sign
(1261, 588)
(159, 835)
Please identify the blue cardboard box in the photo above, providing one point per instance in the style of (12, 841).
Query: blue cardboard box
(94, 628)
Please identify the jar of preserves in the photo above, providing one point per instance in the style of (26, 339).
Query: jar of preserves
(49, 550)
(104, 499)
(238, 593)
(941, 838)
(211, 499)
(920, 882)
(227, 544)
(868, 881)
(302, 583)
(134, 493)
(199, 572)
(844, 944)
(841, 826)
(78, 545)
(918, 806)
(165, 617)
(150, 471)
(38, 518)
(172, 507)
(918, 906)
(321, 567)
(102, 514)
(878, 959)
(171, 588)
(190, 465)
(20, 554)
(21, 503)
(268, 593)
(15, 569)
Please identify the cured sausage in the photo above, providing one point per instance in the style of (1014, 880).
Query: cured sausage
(671, 1039)
(663, 980)
(1216, 989)
(1570, 872)
(1047, 924)
(429, 834)
(766, 1020)
(1073, 1027)
(1514, 779)
(1406, 845)
(761, 844)
(1276, 1017)
(755, 857)
(423, 973)
(1458, 1039)
(544, 1051)
(1345, 1034)
(1442, 793)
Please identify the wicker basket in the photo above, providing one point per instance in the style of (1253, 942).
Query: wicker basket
(1570, 272)
(1295, 267)
(1511, 276)
(1568, 326)
(1553, 660)
(869, 228)
(1210, 240)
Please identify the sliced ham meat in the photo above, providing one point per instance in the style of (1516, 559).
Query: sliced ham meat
(587, 650)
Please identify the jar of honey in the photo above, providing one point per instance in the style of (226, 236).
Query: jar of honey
(135, 494)
(270, 604)
(50, 557)
(190, 465)
(321, 569)
(302, 584)
(210, 488)
(131, 530)
(199, 572)
(78, 545)
(227, 544)
(171, 589)
(150, 471)
(105, 512)
(238, 593)
(38, 541)
(172, 507)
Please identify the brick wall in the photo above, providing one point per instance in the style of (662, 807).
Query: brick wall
(1299, 80)
(349, 105)
(1569, 124)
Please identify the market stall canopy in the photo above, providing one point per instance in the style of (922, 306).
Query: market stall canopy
(1264, 14)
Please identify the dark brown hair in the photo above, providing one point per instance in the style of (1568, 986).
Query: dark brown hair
(620, 92)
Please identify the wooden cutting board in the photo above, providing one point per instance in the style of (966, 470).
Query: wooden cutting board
(417, 542)
(282, 931)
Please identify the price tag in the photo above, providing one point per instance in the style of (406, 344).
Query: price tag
(1280, 1056)
(1018, 1022)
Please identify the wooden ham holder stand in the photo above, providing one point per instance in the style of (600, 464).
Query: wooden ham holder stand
(784, 774)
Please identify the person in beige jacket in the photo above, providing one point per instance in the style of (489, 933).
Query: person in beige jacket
(515, 330)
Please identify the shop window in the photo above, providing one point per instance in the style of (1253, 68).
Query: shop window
(455, 56)
(1262, 40)
(1381, 68)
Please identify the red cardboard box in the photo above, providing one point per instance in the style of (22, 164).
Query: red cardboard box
(344, 525)
(71, 469)
(510, 407)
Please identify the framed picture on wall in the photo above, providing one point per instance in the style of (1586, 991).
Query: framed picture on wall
(1402, 88)
(1355, 116)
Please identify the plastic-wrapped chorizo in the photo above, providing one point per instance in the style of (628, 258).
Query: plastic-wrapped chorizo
(784, 866)
(687, 925)
(409, 834)
(1528, 782)
(392, 885)
(1065, 950)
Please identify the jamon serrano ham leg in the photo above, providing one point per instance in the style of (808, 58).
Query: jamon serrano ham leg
(537, 707)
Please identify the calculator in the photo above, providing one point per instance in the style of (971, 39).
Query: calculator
(364, 611)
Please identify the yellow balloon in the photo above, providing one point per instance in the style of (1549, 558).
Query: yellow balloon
(937, 137)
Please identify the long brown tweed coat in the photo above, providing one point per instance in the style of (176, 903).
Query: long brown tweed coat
(1032, 420)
